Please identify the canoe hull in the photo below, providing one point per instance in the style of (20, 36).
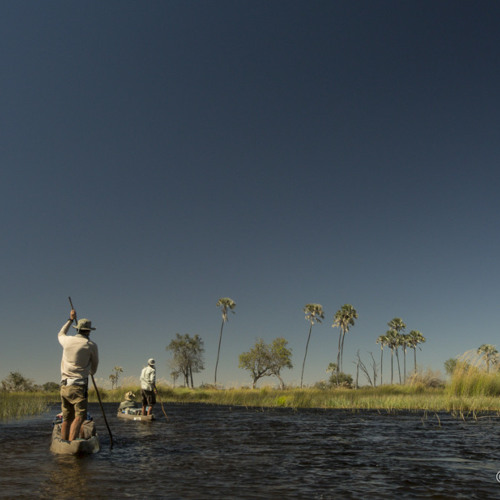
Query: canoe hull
(62, 447)
(139, 418)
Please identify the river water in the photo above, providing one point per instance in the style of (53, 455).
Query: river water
(220, 452)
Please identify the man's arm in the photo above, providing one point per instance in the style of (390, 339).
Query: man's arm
(94, 360)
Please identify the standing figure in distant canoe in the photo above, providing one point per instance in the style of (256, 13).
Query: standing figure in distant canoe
(80, 359)
(148, 387)
(129, 401)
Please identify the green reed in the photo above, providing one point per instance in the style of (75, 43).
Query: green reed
(19, 404)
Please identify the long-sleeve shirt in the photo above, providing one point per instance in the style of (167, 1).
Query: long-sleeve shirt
(80, 355)
(148, 378)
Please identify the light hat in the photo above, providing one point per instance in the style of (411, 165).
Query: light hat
(84, 324)
(151, 362)
(129, 396)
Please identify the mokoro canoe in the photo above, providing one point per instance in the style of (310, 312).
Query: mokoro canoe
(138, 417)
(77, 447)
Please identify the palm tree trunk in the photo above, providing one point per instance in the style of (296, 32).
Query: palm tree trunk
(404, 364)
(338, 354)
(304, 362)
(415, 358)
(218, 352)
(381, 364)
(399, 366)
(342, 350)
(392, 365)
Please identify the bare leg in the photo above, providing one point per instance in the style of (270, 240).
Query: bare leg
(65, 426)
(74, 431)
(150, 409)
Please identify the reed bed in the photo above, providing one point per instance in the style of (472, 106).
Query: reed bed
(471, 390)
(19, 404)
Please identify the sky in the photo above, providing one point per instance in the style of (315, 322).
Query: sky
(157, 156)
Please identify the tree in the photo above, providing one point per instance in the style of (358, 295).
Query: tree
(16, 382)
(338, 378)
(280, 358)
(343, 319)
(187, 357)
(382, 340)
(314, 314)
(489, 354)
(265, 360)
(398, 326)
(114, 377)
(415, 338)
(226, 304)
(392, 341)
(450, 365)
(50, 386)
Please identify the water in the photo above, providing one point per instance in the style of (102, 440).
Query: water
(206, 451)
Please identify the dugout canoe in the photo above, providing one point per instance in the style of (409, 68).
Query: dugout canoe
(139, 418)
(78, 447)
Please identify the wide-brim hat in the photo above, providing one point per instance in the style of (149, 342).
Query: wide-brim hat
(84, 324)
(129, 396)
(151, 362)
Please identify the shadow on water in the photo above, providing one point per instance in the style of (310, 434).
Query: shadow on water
(206, 451)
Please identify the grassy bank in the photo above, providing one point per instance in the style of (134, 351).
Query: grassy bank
(470, 391)
(386, 398)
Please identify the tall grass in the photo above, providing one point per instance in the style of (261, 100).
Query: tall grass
(470, 379)
(19, 404)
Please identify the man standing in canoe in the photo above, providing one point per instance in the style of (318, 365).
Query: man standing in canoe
(79, 359)
(148, 387)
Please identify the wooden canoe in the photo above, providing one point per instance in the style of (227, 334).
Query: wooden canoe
(78, 447)
(138, 417)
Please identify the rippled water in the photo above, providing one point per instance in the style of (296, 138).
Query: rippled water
(205, 451)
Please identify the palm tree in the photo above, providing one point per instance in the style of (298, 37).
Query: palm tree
(404, 340)
(398, 325)
(343, 319)
(392, 341)
(382, 340)
(489, 354)
(314, 314)
(414, 339)
(226, 304)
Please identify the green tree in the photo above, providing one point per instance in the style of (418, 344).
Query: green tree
(314, 314)
(415, 338)
(115, 375)
(450, 365)
(398, 326)
(226, 304)
(280, 358)
(264, 360)
(187, 357)
(50, 386)
(343, 319)
(16, 382)
(489, 354)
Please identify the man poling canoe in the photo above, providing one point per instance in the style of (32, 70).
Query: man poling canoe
(148, 387)
(80, 359)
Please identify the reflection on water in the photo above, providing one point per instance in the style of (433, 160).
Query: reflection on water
(215, 452)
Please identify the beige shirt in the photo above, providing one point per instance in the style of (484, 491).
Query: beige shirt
(80, 356)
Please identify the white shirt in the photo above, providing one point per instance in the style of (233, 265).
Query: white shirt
(148, 378)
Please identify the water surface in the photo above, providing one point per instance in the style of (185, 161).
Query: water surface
(206, 451)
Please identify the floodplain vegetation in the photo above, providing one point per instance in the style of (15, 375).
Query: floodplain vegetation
(469, 392)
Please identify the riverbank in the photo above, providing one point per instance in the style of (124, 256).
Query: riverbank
(387, 398)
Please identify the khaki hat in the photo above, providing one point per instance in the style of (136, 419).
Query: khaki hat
(84, 324)
(151, 362)
(129, 396)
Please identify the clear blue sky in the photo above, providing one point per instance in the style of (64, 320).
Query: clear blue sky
(159, 155)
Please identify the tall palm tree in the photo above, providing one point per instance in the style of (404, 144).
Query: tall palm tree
(415, 338)
(398, 325)
(404, 341)
(489, 354)
(343, 319)
(314, 314)
(392, 341)
(382, 340)
(226, 304)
